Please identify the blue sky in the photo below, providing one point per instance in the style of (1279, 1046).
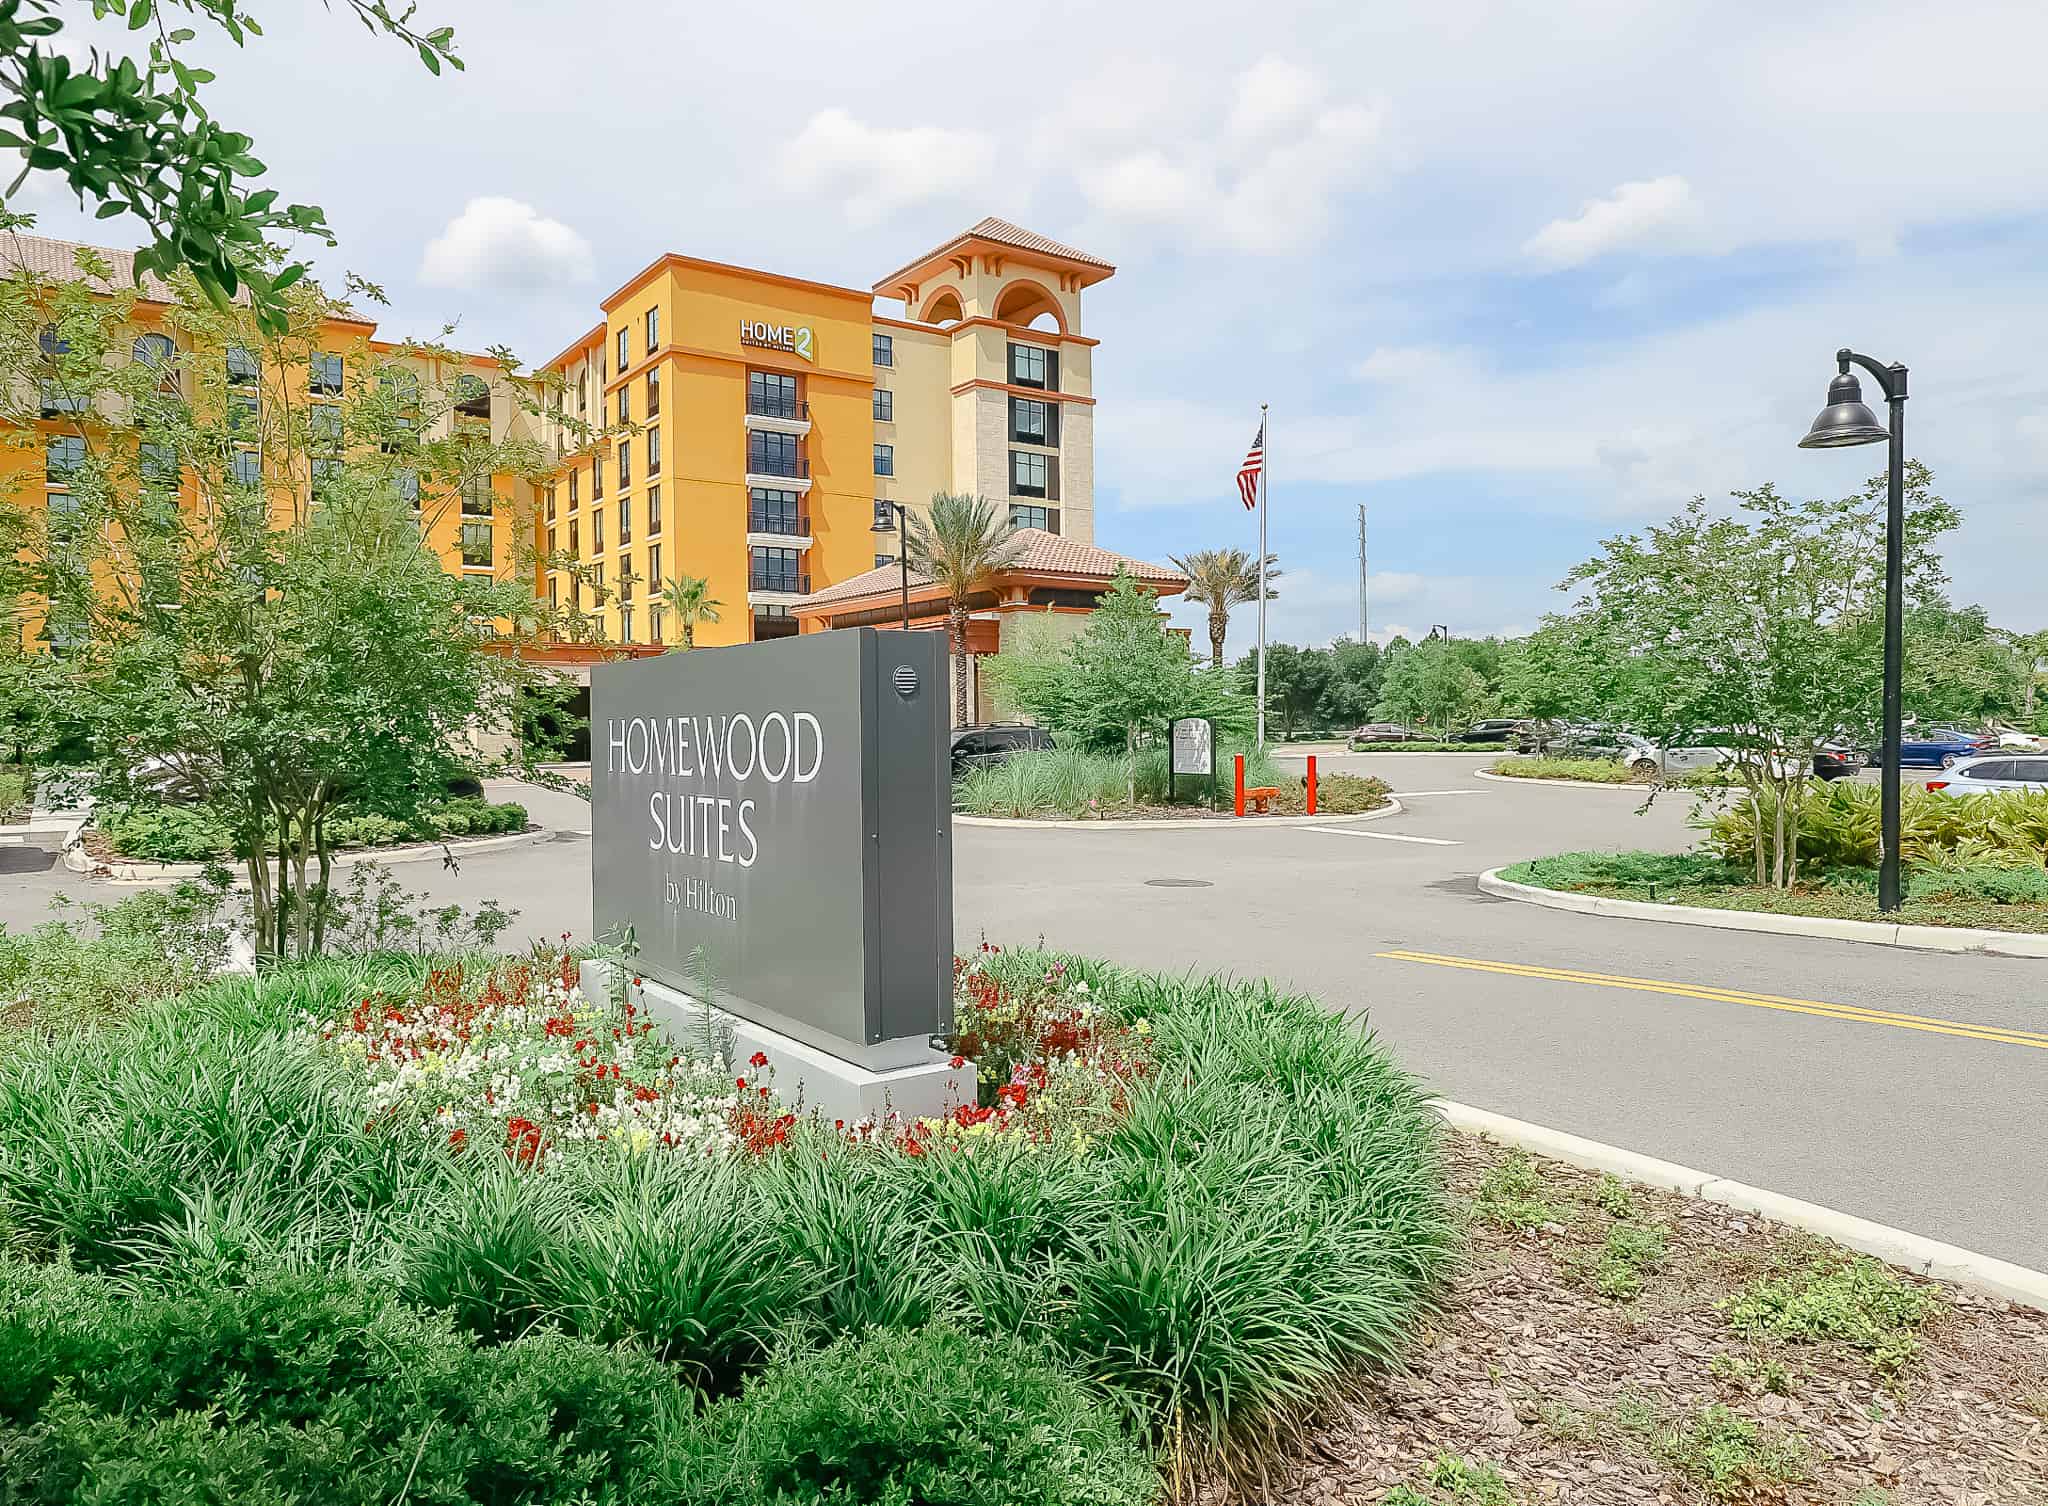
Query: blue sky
(1514, 277)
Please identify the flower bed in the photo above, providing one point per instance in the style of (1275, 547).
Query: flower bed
(1211, 1206)
(191, 834)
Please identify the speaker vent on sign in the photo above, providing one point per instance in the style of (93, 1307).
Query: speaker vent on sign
(906, 681)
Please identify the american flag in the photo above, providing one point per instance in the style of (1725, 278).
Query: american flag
(1248, 473)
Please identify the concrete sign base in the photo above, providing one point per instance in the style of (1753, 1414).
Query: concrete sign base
(918, 1082)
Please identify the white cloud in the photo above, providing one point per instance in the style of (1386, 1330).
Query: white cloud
(878, 170)
(1393, 585)
(1267, 182)
(1393, 364)
(1654, 211)
(506, 245)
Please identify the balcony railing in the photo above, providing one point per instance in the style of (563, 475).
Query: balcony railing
(793, 582)
(795, 525)
(795, 466)
(766, 405)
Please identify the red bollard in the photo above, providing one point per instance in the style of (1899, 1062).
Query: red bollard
(1240, 784)
(1311, 784)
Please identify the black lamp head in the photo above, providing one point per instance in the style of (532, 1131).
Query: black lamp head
(1846, 420)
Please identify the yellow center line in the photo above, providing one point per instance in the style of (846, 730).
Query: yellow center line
(1853, 1013)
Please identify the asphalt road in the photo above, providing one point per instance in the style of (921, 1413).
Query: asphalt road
(1779, 1061)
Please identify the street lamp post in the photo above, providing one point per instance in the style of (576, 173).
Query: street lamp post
(901, 524)
(1846, 421)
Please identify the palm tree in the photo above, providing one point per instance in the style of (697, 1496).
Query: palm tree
(1221, 579)
(689, 597)
(960, 546)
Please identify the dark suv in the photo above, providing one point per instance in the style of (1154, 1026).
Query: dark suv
(985, 747)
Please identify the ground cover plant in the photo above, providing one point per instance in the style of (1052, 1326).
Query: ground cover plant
(194, 834)
(1428, 747)
(13, 795)
(1586, 770)
(1199, 1208)
(1991, 897)
(1068, 783)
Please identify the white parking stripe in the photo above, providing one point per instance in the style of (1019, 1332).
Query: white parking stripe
(1385, 836)
(1404, 794)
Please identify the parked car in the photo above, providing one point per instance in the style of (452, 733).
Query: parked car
(1988, 776)
(1495, 729)
(1383, 732)
(987, 746)
(1836, 761)
(1938, 747)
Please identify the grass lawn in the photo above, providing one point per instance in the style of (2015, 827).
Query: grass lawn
(2001, 899)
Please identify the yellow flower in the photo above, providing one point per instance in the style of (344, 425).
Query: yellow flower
(640, 1139)
(1143, 1027)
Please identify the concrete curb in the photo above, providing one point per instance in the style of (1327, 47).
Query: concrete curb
(1868, 932)
(1387, 753)
(1250, 823)
(1562, 784)
(1912, 1252)
(76, 859)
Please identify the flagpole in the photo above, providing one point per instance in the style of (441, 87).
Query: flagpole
(1265, 465)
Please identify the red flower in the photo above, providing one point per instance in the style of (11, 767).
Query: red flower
(739, 1082)
(958, 1062)
(758, 1059)
(458, 1139)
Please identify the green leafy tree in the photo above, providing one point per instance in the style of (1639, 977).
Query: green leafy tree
(1119, 681)
(1220, 579)
(1764, 629)
(689, 598)
(960, 545)
(1427, 683)
(238, 596)
(1296, 681)
(1961, 671)
(132, 134)
(1353, 688)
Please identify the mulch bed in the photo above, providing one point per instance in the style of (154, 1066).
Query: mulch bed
(1531, 1370)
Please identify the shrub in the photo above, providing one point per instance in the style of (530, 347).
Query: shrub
(1588, 770)
(1647, 871)
(1336, 795)
(1839, 827)
(927, 1415)
(194, 834)
(150, 945)
(1061, 782)
(13, 794)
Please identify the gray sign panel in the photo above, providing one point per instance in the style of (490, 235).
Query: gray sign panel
(779, 814)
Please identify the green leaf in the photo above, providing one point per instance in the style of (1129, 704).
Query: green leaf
(288, 276)
(433, 63)
(109, 209)
(138, 14)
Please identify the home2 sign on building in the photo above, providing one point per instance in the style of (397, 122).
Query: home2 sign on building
(794, 338)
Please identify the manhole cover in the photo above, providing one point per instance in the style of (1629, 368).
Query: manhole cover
(1171, 883)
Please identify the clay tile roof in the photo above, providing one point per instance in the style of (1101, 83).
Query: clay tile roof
(58, 260)
(1044, 554)
(1003, 233)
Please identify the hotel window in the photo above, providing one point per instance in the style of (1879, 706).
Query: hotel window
(476, 544)
(774, 570)
(477, 501)
(885, 460)
(653, 394)
(884, 559)
(407, 485)
(654, 624)
(625, 460)
(885, 350)
(653, 329)
(654, 568)
(472, 396)
(554, 543)
(551, 502)
(53, 344)
(772, 394)
(597, 578)
(245, 469)
(625, 354)
(554, 594)
(575, 548)
(625, 576)
(324, 472)
(1030, 475)
(770, 454)
(625, 520)
(159, 464)
(57, 401)
(653, 511)
(62, 510)
(1023, 515)
(885, 406)
(770, 511)
(243, 367)
(596, 477)
(582, 392)
(625, 624)
(885, 515)
(1034, 422)
(62, 457)
(573, 478)
(654, 452)
(625, 405)
(1034, 366)
(323, 374)
(159, 354)
(597, 531)
(323, 424)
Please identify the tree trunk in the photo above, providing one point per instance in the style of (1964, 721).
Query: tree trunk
(1756, 823)
(956, 638)
(326, 858)
(689, 634)
(1219, 624)
(1131, 762)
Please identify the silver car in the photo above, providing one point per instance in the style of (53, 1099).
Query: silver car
(1988, 774)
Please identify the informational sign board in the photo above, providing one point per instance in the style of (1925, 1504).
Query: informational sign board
(777, 818)
(1194, 745)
